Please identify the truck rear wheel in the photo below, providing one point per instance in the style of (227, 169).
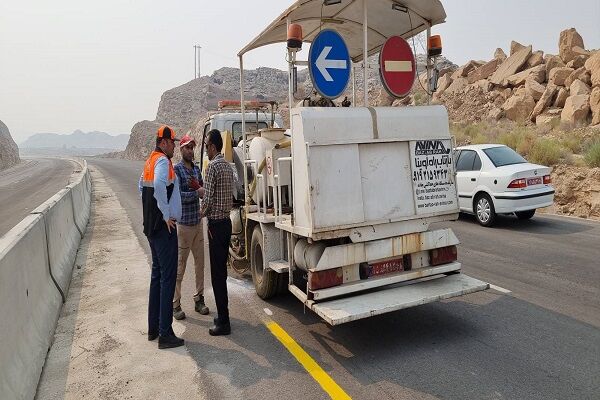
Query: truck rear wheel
(265, 280)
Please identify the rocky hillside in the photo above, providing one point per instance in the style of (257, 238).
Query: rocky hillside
(527, 86)
(185, 107)
(9, 152)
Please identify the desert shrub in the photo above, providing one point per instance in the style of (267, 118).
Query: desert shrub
(510, 139)
(527, 141)
(480, 138)
(572, 143)
(592, 155)
(545, 152)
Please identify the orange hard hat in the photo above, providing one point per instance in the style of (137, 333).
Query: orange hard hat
(165, 132)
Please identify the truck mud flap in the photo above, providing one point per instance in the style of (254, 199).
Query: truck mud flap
(342, 310)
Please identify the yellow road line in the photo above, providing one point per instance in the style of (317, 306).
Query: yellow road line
(310, 365)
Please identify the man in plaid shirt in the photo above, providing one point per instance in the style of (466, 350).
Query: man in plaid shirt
(216, 206)
(189, 227)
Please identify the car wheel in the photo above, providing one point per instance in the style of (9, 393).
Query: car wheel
(484, 210)
(525, 214)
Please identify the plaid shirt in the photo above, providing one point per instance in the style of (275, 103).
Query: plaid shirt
(190, 202)
(218, 190)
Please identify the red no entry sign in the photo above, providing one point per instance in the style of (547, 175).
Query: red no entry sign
(397, 66)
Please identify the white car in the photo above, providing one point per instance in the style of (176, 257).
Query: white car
(494, 179)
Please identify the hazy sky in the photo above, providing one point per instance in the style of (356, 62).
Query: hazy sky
(103, 65)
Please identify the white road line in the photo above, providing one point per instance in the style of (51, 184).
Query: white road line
(500, 289)
(267, 311)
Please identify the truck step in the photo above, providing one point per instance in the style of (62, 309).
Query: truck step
(279, 266)
(395, 298)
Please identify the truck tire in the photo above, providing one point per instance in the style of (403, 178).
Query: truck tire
(265, 280)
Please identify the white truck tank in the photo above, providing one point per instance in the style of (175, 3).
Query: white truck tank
(371, 167)
(258, 149)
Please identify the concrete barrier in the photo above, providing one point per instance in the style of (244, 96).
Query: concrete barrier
(62, 235)
(36, 264)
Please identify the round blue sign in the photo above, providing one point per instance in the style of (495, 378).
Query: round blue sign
(329, 64)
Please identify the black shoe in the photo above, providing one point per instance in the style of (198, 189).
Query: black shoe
(218, 330)
(169, 342)
(178, 313)
(201, 307)
(152, 336)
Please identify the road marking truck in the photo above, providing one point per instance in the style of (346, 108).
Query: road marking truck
(338, 208)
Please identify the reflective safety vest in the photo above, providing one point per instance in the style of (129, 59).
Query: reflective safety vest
(153, 217)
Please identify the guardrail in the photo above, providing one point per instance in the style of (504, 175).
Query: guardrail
(36, 264)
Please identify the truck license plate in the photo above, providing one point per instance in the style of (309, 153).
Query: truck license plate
(386, 267)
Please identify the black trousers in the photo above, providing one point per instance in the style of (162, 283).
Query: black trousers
(162, 281)
(219, 235)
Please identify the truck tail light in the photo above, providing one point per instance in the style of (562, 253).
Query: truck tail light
(518, 184)
(442, 255)
(324, 279)
(547, 179)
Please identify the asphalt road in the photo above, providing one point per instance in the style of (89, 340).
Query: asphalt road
(540, 341)
(27, 185)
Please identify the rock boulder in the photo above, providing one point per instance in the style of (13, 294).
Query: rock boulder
(576, 110)
(578, 62)
(561, 97)
(537, 58)
(443, 84)
(593, 66)
(518, 108)
(578, 88)
(484, 71)
(595, 105)
(568, 39)
(544, 101)
(582, 74)
(511, 66)
(537, 73)
(534, 88)
(559, 75)
(515, 46)
(551, 62)
(499, 54)
(463, 71)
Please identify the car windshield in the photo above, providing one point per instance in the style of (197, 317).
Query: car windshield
(503, 155)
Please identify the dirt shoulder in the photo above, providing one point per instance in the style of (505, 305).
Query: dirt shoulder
(100, 350)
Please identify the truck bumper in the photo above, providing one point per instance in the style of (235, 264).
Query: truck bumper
(409, 294)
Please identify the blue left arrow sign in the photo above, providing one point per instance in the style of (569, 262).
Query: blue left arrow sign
(329, 64)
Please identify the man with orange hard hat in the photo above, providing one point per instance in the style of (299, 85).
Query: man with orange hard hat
(161, 203)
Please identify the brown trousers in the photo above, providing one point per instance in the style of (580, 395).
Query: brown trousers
(190, 238)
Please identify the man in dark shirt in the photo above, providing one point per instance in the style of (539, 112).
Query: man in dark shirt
(189, 227)
(216, 206)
